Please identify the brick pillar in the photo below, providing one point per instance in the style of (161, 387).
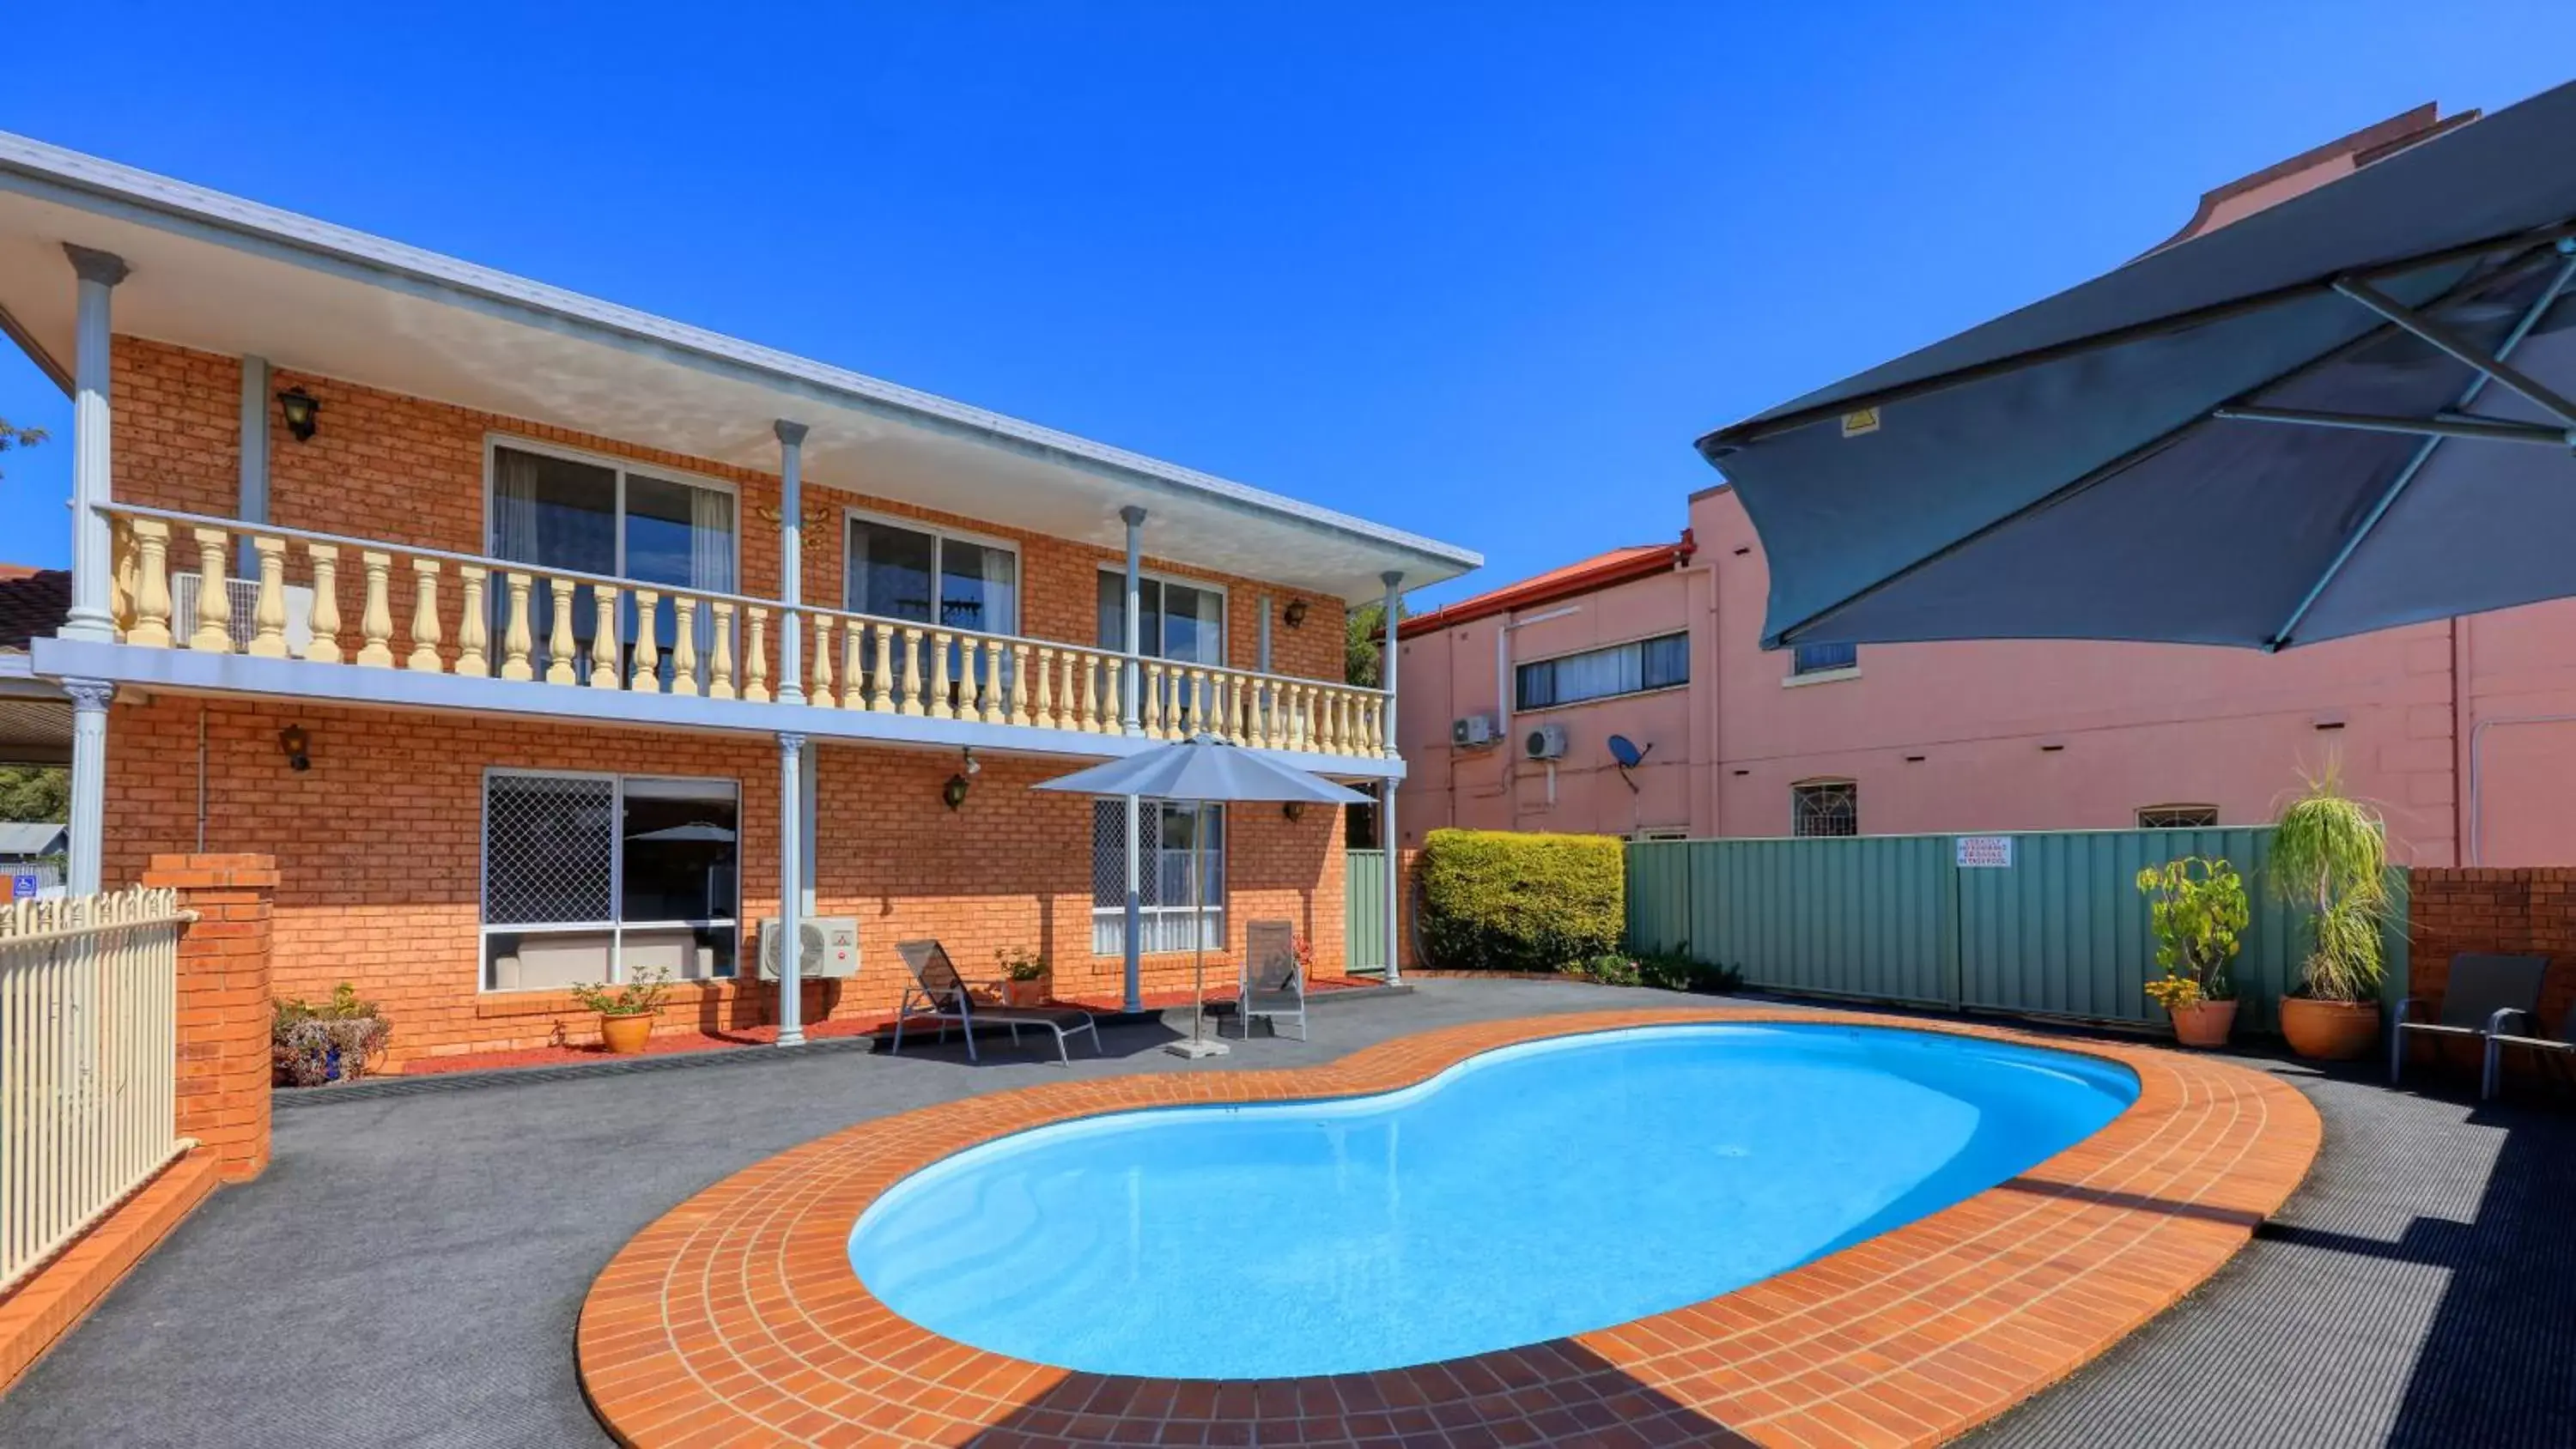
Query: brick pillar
(223, 1003)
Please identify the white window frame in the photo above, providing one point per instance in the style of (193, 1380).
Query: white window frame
(1224, 613)
(614, 928)
(940, 534)
(1221, 908)
(1638, 641)
(493, 443)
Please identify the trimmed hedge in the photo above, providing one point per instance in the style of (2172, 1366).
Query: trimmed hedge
(1501, 900)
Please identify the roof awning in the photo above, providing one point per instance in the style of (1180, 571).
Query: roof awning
(232, 277)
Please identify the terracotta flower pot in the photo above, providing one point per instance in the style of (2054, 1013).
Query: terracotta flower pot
(2329, 1031)
(626, 1035)
(2203, 1023)
(1033, 992)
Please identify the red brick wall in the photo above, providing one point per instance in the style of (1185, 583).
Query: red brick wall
(2528, 911)
(378, 849)
(410, 471)
(224, 963)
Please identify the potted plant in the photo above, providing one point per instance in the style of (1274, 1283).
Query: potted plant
(2197, 909)
(626, 1014)
(1027, 979)
(2330, 859)
(339, 1040)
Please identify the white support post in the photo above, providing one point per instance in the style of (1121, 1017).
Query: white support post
(253, 506)
(791, 561)
(1386, 836)
(1130, 683)
(89, 782)
(90, 616)
(791, 889)
(1131, 679)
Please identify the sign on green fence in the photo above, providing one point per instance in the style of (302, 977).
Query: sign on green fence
(2038, 923)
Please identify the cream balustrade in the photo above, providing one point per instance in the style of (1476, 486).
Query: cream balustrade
(525, 623)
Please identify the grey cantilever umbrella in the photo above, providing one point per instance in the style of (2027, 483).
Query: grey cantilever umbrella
(2348, 411)
(1202, 770)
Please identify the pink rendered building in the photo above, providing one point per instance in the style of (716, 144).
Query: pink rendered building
(2463, 732)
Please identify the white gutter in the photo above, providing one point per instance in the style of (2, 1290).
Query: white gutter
(55, 174)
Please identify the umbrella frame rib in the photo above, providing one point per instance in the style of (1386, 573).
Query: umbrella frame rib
(2557, 241)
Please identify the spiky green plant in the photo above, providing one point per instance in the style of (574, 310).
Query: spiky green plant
(2330, 859)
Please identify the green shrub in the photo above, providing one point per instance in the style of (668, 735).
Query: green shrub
(1500, 900)
(1610, 969)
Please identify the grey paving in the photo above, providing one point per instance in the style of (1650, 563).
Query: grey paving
(409, 1270)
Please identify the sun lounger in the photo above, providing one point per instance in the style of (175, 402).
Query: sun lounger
(938, 993)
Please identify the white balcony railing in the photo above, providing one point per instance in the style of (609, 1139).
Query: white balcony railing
(518, 621)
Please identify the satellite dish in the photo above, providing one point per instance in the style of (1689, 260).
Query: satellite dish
(1625, 751)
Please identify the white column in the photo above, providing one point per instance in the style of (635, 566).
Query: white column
(791, 562)
(791, 889)
(1131, 678)
(89, 781)
(1135, 994)
(1131, 683)
(1386, 836)
(89, 617)
(254, 440)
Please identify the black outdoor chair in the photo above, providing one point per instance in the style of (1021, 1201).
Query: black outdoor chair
(938, 993)
(2562, 1046)
(2486, 994)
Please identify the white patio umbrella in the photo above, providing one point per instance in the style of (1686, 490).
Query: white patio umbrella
(1202, 770)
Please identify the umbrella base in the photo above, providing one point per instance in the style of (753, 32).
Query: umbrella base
(1197, 1047)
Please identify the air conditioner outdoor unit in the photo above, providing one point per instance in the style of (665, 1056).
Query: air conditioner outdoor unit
(831, 947)
(243, 596)
(1546, 742)
(1473, 732)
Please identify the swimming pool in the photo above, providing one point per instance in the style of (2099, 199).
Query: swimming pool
(1548, 1188)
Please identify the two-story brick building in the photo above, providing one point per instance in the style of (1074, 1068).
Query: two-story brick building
(546, 641)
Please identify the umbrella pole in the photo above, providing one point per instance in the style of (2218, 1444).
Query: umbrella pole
(1198, 1045)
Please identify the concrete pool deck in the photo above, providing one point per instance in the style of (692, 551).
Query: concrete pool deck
(736, 1318)
(410, 1270)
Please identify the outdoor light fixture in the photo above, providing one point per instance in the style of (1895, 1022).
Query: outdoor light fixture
(1296, 615)
(1294, 810)
(293, 741)
(954, 792)
(299, 407)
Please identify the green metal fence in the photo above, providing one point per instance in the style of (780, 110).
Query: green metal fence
(2035, 923)
(1365, 937)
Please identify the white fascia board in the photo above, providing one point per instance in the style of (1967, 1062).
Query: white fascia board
(206, 672)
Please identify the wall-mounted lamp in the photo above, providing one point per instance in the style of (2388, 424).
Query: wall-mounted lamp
(1295, 616)
(297, 747)
(300, 408)
(953, 794)
(1292, 810)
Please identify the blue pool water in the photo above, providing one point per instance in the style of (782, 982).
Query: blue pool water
(1531, 1192)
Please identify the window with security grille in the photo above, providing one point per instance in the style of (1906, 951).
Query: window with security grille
(1824, 807)
(606, 878)
(1171, 906)
(2177, 817)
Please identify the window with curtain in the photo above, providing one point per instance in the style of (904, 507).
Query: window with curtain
(1824, 658)
(1630, 668)
(597, 517)
(937, 580)
(1171, 906)
(1176, 620)
(607, 877)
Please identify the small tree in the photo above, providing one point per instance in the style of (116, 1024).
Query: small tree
(2330, 859)
(37, 793)
(17, 437)
(2198, 911)
(1363, 657)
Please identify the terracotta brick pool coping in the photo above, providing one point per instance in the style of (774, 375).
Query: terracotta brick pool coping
(736, 1319)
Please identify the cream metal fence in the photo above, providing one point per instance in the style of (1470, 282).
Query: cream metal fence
(518, 621)
(88, 1062)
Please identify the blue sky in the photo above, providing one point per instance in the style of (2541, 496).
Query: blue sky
(1482, 271)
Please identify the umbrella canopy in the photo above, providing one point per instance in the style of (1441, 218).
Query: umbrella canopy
(1202, 768)
(2347, 411)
